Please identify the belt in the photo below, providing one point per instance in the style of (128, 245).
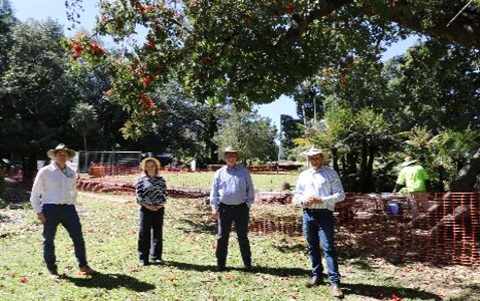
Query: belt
(314, 210)
(237, 205)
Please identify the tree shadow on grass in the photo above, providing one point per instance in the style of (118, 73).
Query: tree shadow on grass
(198, 227)
(4, 218)
(387, 292)
(111, 281)
(471, 293)
(286, 248)
(256, 269)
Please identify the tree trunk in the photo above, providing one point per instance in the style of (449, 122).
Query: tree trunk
(363, 167)
(464, 30)
(467, 175)
(29, 167)
(369, 171)
(440, 186)
(211, 129)
(335, 159)
(84, 135)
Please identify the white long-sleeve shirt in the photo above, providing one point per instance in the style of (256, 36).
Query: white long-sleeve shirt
(324, 183)
(53, 186)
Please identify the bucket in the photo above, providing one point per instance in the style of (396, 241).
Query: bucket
(395, 209)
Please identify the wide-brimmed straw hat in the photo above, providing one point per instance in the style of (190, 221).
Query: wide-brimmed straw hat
(61, 146)
(408, 160)
(316, 151)
(229, 149)
(154, 160)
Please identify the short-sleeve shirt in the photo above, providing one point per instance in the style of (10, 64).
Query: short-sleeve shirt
(413, 177)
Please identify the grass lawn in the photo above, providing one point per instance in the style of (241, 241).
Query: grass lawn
(282, 267)
(270, 181)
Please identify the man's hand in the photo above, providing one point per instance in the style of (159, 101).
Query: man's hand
(151, 207)
(312, 200)
(215, 212)
(41, 217)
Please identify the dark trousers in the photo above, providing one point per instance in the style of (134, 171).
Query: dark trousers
(68, 217)
(318, 226)
(240, 215)
(150, 222)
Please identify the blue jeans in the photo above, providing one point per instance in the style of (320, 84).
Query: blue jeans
(318, 226)
(227, 215)
(150, 221)
(68, 217)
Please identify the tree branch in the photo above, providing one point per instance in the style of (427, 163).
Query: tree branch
(464, 30)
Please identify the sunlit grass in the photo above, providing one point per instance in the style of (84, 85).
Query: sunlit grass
(266, 181)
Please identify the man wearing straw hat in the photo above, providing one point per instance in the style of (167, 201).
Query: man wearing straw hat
(415, 179)
(318, 190)
(53, 198)
(231, 197)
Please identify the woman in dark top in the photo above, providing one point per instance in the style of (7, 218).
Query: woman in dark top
(150, 194)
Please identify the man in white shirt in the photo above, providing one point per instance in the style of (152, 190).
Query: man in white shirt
(318, 190)
(53, 198)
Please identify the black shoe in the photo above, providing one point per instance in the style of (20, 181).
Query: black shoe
(143, 263)
(156, 261)
(248, 268)
(54, 274)
(315, 281)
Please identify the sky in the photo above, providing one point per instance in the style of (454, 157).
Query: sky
(55, 9)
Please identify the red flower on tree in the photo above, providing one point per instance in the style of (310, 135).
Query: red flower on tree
(289, 8)
(146, 81)
(147, 102)
(150, 44)
(77, 49)
(96, 49)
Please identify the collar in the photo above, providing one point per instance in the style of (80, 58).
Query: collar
(314, 171)
(53, 166)
(234, 168)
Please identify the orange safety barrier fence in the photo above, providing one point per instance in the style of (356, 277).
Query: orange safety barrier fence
(441, 228)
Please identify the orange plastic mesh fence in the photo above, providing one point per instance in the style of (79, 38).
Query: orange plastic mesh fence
(441, 228)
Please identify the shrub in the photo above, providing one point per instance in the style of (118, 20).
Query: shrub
(286, 186)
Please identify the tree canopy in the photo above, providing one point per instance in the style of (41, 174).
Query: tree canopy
(239, 52)
(324, 53)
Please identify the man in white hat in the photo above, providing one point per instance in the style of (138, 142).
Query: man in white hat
(318, 190)
(231, 197)
(415, 179)
(53, 198)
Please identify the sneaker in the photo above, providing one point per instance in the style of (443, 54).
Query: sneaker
(336, 291)
(86, 270)
(156, 261)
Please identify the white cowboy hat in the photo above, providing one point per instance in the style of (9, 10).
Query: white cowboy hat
(61, 146)
(316, 151)
(229, 149)
(408, 160)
